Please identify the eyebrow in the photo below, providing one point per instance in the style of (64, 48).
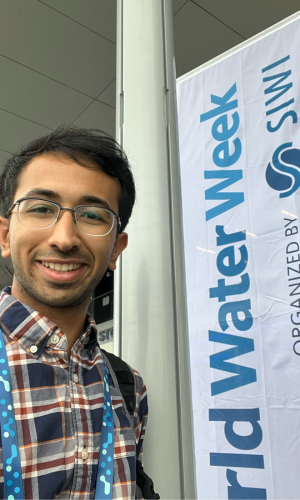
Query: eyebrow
(53, 195)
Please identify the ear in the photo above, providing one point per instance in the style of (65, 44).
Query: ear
(4, 237)
(120, 245)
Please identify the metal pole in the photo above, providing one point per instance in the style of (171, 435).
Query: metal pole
(119, 137)
(150, 312)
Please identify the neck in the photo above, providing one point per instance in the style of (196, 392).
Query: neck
(70, 320)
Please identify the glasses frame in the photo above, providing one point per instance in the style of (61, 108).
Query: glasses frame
(60, 208)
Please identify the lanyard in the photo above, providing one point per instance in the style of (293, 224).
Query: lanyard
(106, 456)
(10, 449)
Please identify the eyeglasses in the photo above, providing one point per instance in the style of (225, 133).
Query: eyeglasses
(38, 213)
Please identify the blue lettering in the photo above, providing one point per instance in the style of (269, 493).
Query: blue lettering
(227, 160)
(237, 460)
(222, 290)
(238, 492)
(225, 132)
(274, 128)
(279, 90)
(213, 193)
(277, 63)
(244, 375)
(225, 239)
(284, 105)
(275, 86)
(223, 104)
(232, 269)
(234, 308)
(239, 415)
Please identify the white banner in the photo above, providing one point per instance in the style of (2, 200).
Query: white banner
(239, 134)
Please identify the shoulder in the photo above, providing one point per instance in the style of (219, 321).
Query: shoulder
(130, 382)
(141, 402)
(124, 372)
(139, 382)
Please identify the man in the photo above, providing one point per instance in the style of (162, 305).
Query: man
(65, 199)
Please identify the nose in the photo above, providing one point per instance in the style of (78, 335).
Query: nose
(64, 233)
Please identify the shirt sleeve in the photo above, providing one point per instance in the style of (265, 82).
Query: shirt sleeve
(140, 414)
(140, 421)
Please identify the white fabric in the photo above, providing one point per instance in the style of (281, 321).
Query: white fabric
(268, 221)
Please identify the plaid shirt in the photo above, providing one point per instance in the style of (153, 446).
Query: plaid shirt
(58, 406)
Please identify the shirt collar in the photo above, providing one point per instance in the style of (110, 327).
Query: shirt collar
(30, 328)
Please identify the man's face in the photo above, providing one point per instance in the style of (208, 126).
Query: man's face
(64, 242)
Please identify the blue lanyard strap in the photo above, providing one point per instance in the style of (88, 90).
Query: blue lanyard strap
(106, 457)
(10, 449)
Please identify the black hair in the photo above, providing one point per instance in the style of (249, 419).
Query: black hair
(88, 147)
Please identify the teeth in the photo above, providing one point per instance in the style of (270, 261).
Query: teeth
(62, 268)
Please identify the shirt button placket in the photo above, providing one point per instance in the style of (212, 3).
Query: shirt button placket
(54, 338)
(81, 421)
(74, 379)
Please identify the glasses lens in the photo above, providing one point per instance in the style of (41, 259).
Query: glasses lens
(95, 220)
(37, 213)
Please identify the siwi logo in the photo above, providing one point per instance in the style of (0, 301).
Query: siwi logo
(283, 174)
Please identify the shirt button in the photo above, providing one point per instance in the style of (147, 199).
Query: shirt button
(84, 453)
(33, 349)
(54, 338)
(75, 378)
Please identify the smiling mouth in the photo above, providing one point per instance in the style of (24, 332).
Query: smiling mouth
(62, 268)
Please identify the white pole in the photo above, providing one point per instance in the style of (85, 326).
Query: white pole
(150, 303)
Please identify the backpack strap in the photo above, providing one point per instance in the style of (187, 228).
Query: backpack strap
(126, 383)
(125, 380)
(145, 483)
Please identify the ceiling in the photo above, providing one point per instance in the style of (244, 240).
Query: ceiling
(58, 60)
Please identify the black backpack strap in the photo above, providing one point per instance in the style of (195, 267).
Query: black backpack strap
(126, 383)
(125, 380)
(145, 483)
